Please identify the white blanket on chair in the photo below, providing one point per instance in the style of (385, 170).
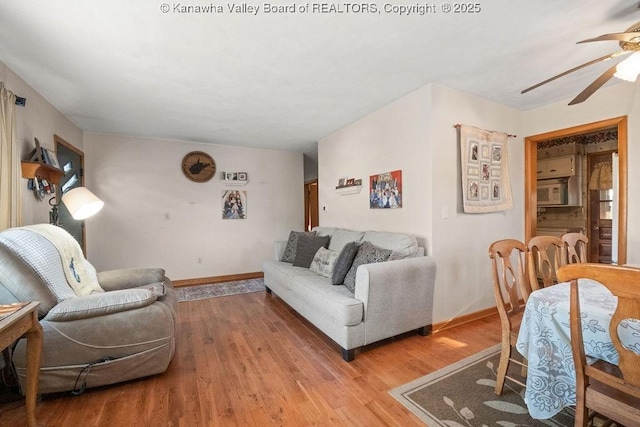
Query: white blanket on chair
(73, 262)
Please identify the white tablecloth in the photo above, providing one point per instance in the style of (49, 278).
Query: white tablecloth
(544, 341)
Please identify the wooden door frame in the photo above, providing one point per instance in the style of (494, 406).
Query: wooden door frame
(530, 182)
(306, 200)
(59, 141)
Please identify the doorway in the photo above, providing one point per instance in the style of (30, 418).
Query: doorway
(531, 166)
(601, 198)
(72, 163)
(311, 209)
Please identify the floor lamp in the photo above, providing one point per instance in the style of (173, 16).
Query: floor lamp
(80, 202)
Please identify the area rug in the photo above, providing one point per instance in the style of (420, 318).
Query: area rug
(192, 293)
(462, 395)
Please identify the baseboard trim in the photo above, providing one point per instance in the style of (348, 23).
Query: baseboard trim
(437, 327)
(466, 318)
(217, 279)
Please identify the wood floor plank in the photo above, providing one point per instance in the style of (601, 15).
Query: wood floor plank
(250, 360)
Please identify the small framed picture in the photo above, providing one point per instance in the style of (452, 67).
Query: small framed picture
(358, 182)
(351, 181)
(242, 176)
(231, 176)
(342, 182)
(53, 158)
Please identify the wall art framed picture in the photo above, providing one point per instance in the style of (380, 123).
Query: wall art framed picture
(242, 176)
(234, 204)
(385, 190)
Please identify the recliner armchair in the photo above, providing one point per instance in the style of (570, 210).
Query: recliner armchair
(117, 331)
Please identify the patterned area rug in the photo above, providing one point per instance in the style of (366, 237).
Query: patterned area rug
(192, 293)
(462, 395)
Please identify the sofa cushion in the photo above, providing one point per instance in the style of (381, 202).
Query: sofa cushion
(307, 247)
(292, 244)
(367, 254)
(335, 302)
(344, 262)
(341, 237)
(402, 245)
(284, 273)
(323, 231)
(323, 262)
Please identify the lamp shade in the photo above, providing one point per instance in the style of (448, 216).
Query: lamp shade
(81, 203)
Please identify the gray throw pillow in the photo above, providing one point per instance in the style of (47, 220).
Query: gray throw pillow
(367, 254)
(292, 244)
(343, 263)
(307, 248)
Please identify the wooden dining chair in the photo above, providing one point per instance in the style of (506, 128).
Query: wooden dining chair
(511, 291)
(545, 254)
(575, 248)
(612, 391)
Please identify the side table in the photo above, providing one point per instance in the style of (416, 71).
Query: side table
(17, 320)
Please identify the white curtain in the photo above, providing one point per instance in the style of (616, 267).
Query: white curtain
(10, 171)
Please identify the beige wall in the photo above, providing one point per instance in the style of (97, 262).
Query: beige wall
(38, 119)
(155, 216)
(416, 134)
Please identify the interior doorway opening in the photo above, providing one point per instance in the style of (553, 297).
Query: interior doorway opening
(311, 209)
(617, 201)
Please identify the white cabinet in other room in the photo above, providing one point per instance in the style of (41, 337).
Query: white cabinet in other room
(556, 167)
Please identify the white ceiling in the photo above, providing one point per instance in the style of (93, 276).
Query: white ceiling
(285, 81)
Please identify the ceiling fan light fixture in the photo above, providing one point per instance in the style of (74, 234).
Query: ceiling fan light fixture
(629, 68)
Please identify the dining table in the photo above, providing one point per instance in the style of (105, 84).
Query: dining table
(544, 340)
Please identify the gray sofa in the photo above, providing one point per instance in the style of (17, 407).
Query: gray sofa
(120, 329)
(390, 297)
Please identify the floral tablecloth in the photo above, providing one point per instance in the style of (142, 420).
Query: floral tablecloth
(544, 339)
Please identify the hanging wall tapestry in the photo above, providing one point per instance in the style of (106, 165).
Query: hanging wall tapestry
(485, 170)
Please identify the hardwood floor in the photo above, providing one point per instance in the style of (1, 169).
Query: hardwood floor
(250, 360)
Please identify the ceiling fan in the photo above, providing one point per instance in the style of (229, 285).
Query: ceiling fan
(628, 69)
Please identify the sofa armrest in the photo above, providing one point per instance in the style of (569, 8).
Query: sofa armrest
(278, 249)
(101, 304)
(397, 296)
(127, 278)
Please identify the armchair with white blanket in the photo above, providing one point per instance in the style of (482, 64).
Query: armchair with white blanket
(98, 328)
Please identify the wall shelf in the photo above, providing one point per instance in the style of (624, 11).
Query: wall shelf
(351, 189)
(234, 183)
(32, 170)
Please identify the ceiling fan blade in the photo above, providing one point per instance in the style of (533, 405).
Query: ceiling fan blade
(621, 37)
(595, 61)
(597, 84)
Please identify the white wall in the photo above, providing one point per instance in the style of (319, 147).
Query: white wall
(394, 137)
(141, 183)
(622, 99)
(461, 242)
(416, 134)
(38, 119)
